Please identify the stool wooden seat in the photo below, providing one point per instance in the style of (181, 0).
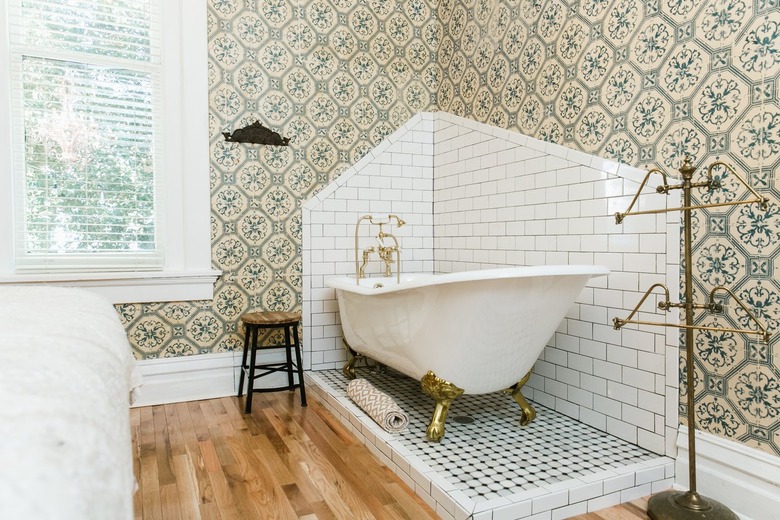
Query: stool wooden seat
(253, 323)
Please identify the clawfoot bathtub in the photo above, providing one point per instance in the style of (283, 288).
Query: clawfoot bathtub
(470, 332)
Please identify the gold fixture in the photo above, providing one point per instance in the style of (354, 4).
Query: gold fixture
(352, 358)
(528, 411)
(690, 505)
(366, 252)
(358, 271)
(443, 392)
(385, 253)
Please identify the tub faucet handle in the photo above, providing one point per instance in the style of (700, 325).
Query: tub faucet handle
(366, 252)
(386, 255)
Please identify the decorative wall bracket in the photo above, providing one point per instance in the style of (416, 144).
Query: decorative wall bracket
(256, 133)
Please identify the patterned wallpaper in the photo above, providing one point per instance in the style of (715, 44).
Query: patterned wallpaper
(641, 82)
(645, 83)
(335, 76)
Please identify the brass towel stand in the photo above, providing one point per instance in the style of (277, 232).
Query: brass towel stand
(685, 505)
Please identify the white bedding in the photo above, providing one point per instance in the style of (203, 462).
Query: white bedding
(66, 376)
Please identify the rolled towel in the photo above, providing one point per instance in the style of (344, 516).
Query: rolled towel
(378, 405)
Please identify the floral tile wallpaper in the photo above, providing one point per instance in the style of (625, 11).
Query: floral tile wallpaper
(335, 76)
(642, 82)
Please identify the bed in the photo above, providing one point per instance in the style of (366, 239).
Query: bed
(67, 375)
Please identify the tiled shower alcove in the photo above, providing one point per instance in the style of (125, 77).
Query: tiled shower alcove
(493, 469)
(478, 197)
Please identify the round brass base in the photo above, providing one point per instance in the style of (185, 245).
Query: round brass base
(684, 505)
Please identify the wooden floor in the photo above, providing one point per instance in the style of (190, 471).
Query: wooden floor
(207, 460)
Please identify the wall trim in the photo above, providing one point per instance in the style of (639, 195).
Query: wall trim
(743, 478)
(187, 378)
(203, 376)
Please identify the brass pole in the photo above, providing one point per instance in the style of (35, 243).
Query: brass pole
(687, 172)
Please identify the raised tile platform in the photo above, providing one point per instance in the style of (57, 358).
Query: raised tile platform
(491, 468)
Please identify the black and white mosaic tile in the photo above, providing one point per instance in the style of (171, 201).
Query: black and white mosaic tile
(487, 462)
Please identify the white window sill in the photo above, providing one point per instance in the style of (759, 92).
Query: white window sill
(137, 287)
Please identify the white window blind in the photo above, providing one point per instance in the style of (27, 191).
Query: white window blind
(86, 131)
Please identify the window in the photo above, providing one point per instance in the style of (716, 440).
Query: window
(97, 124)
(86, 103)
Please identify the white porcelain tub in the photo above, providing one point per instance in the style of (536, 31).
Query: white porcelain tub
(480, 330)
(471, 332)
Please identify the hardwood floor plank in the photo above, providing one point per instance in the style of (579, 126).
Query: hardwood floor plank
(254, 484)
(169, 498)
(198, 420)
(638, 507)
(405, 500)
(211, 512)
(205, 491)
(135, 432)
(345, 459)
(297, 500)
(186, 426)
(335, 481)
(175, 431)
(149, 488)
(234, 412)
(263, 450)
(211, 462)
(146, 438)
(354, 456)
(331, 485)
(224, 497)
(162, 447)
(188, 499)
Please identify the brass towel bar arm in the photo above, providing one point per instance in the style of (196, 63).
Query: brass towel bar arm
(711, 306)
(710, 184)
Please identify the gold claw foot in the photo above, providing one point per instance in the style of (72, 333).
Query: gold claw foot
(528, 413)
(352, 359)
(443, 392)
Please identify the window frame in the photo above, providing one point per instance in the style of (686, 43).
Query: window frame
(187, 274)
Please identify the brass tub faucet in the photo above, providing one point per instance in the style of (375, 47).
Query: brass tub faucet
(385, 252)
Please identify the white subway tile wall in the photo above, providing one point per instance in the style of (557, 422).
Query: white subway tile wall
(476, 197)
(396, 177)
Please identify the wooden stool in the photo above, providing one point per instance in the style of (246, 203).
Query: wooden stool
(253, 322)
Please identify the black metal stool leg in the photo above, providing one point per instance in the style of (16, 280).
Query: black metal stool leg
(296, 346)
(251, 382)
(243, 361)
(288, 351)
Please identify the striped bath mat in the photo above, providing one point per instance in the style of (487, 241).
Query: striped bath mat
(378, 405)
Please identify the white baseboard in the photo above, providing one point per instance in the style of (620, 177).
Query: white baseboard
(744, 479)
(188, 378)
(192, 378)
